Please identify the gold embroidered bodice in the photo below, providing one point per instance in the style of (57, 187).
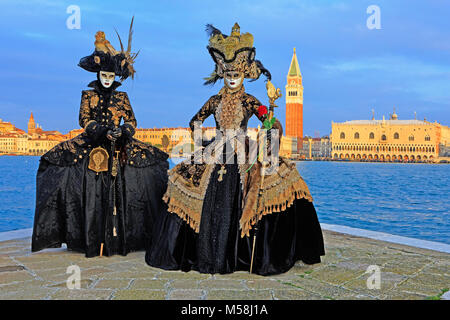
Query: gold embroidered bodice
(231, 110)
(106, 110)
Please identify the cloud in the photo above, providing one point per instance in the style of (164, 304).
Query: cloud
(427, 81)
(36, 35)
(401, 65)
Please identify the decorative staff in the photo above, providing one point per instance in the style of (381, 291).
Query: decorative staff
(113, 167)
(273, 94)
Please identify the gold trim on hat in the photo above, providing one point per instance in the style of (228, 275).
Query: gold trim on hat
(229, 45)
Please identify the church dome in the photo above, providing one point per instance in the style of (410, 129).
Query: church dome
(394, 116)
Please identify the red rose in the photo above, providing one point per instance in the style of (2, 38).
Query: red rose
(262, 111)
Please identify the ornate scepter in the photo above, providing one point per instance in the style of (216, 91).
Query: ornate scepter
(112, 170)
(273, 94)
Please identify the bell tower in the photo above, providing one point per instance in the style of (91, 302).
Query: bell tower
(294, 103)
(31, 125)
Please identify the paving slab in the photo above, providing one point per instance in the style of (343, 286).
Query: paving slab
(406, 273)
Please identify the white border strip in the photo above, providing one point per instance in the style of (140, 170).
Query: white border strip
(424, 244)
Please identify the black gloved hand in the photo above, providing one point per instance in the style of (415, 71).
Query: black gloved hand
(128, 130)
(117, 133)
(110, 135)
(95, 131)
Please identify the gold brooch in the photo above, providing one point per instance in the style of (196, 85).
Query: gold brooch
(98, 160)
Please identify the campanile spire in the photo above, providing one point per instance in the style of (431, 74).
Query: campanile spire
(31, 124)
(294, 102)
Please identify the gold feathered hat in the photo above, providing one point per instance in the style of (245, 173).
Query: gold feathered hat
(106, 58)
(234, 52)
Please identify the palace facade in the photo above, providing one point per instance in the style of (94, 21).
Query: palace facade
(389, 140)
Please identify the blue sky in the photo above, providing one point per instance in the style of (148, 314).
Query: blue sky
(347, 68)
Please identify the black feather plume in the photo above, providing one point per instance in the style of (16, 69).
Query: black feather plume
(263, 70)
(212, 31)
(211, 79)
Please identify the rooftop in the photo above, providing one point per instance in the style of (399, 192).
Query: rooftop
(390, 122)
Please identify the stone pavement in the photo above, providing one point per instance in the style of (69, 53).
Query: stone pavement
(406, 273)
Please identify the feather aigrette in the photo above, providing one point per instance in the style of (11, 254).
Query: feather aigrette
(130, 36)
(212, 79)
(129, 57)
(212, 31)
(263, 70)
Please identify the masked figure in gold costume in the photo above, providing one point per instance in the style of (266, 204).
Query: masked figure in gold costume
(215, 208)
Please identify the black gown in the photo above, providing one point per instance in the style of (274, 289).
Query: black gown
(217, 246)
(85, 209)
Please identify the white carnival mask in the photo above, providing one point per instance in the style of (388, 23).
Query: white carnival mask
(233, 79)
(107, 78)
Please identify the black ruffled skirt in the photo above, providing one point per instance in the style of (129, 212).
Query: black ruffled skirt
(75, 205)
(282, 238)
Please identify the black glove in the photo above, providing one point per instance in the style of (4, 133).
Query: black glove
(95, 131)
(117, 133)
(110, 135)
(127, 130)
(114, 134)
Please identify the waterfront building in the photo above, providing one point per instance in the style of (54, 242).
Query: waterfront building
(316, 148)
(13, 143)
(444, 143)
(11, 138)
(34, 142)
(164, 138)
(39, 146)
(40, 141)
(288, 147)
(75, 132)
(6, 127)
(389, 140)
(7, 143)
(21, 144)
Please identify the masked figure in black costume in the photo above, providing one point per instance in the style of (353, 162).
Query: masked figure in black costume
(214, 208)
(101, 191)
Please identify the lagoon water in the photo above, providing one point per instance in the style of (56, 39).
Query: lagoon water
(410, 200)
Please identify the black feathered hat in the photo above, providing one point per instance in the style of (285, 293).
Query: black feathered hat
(106, 58)
(101, 61)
